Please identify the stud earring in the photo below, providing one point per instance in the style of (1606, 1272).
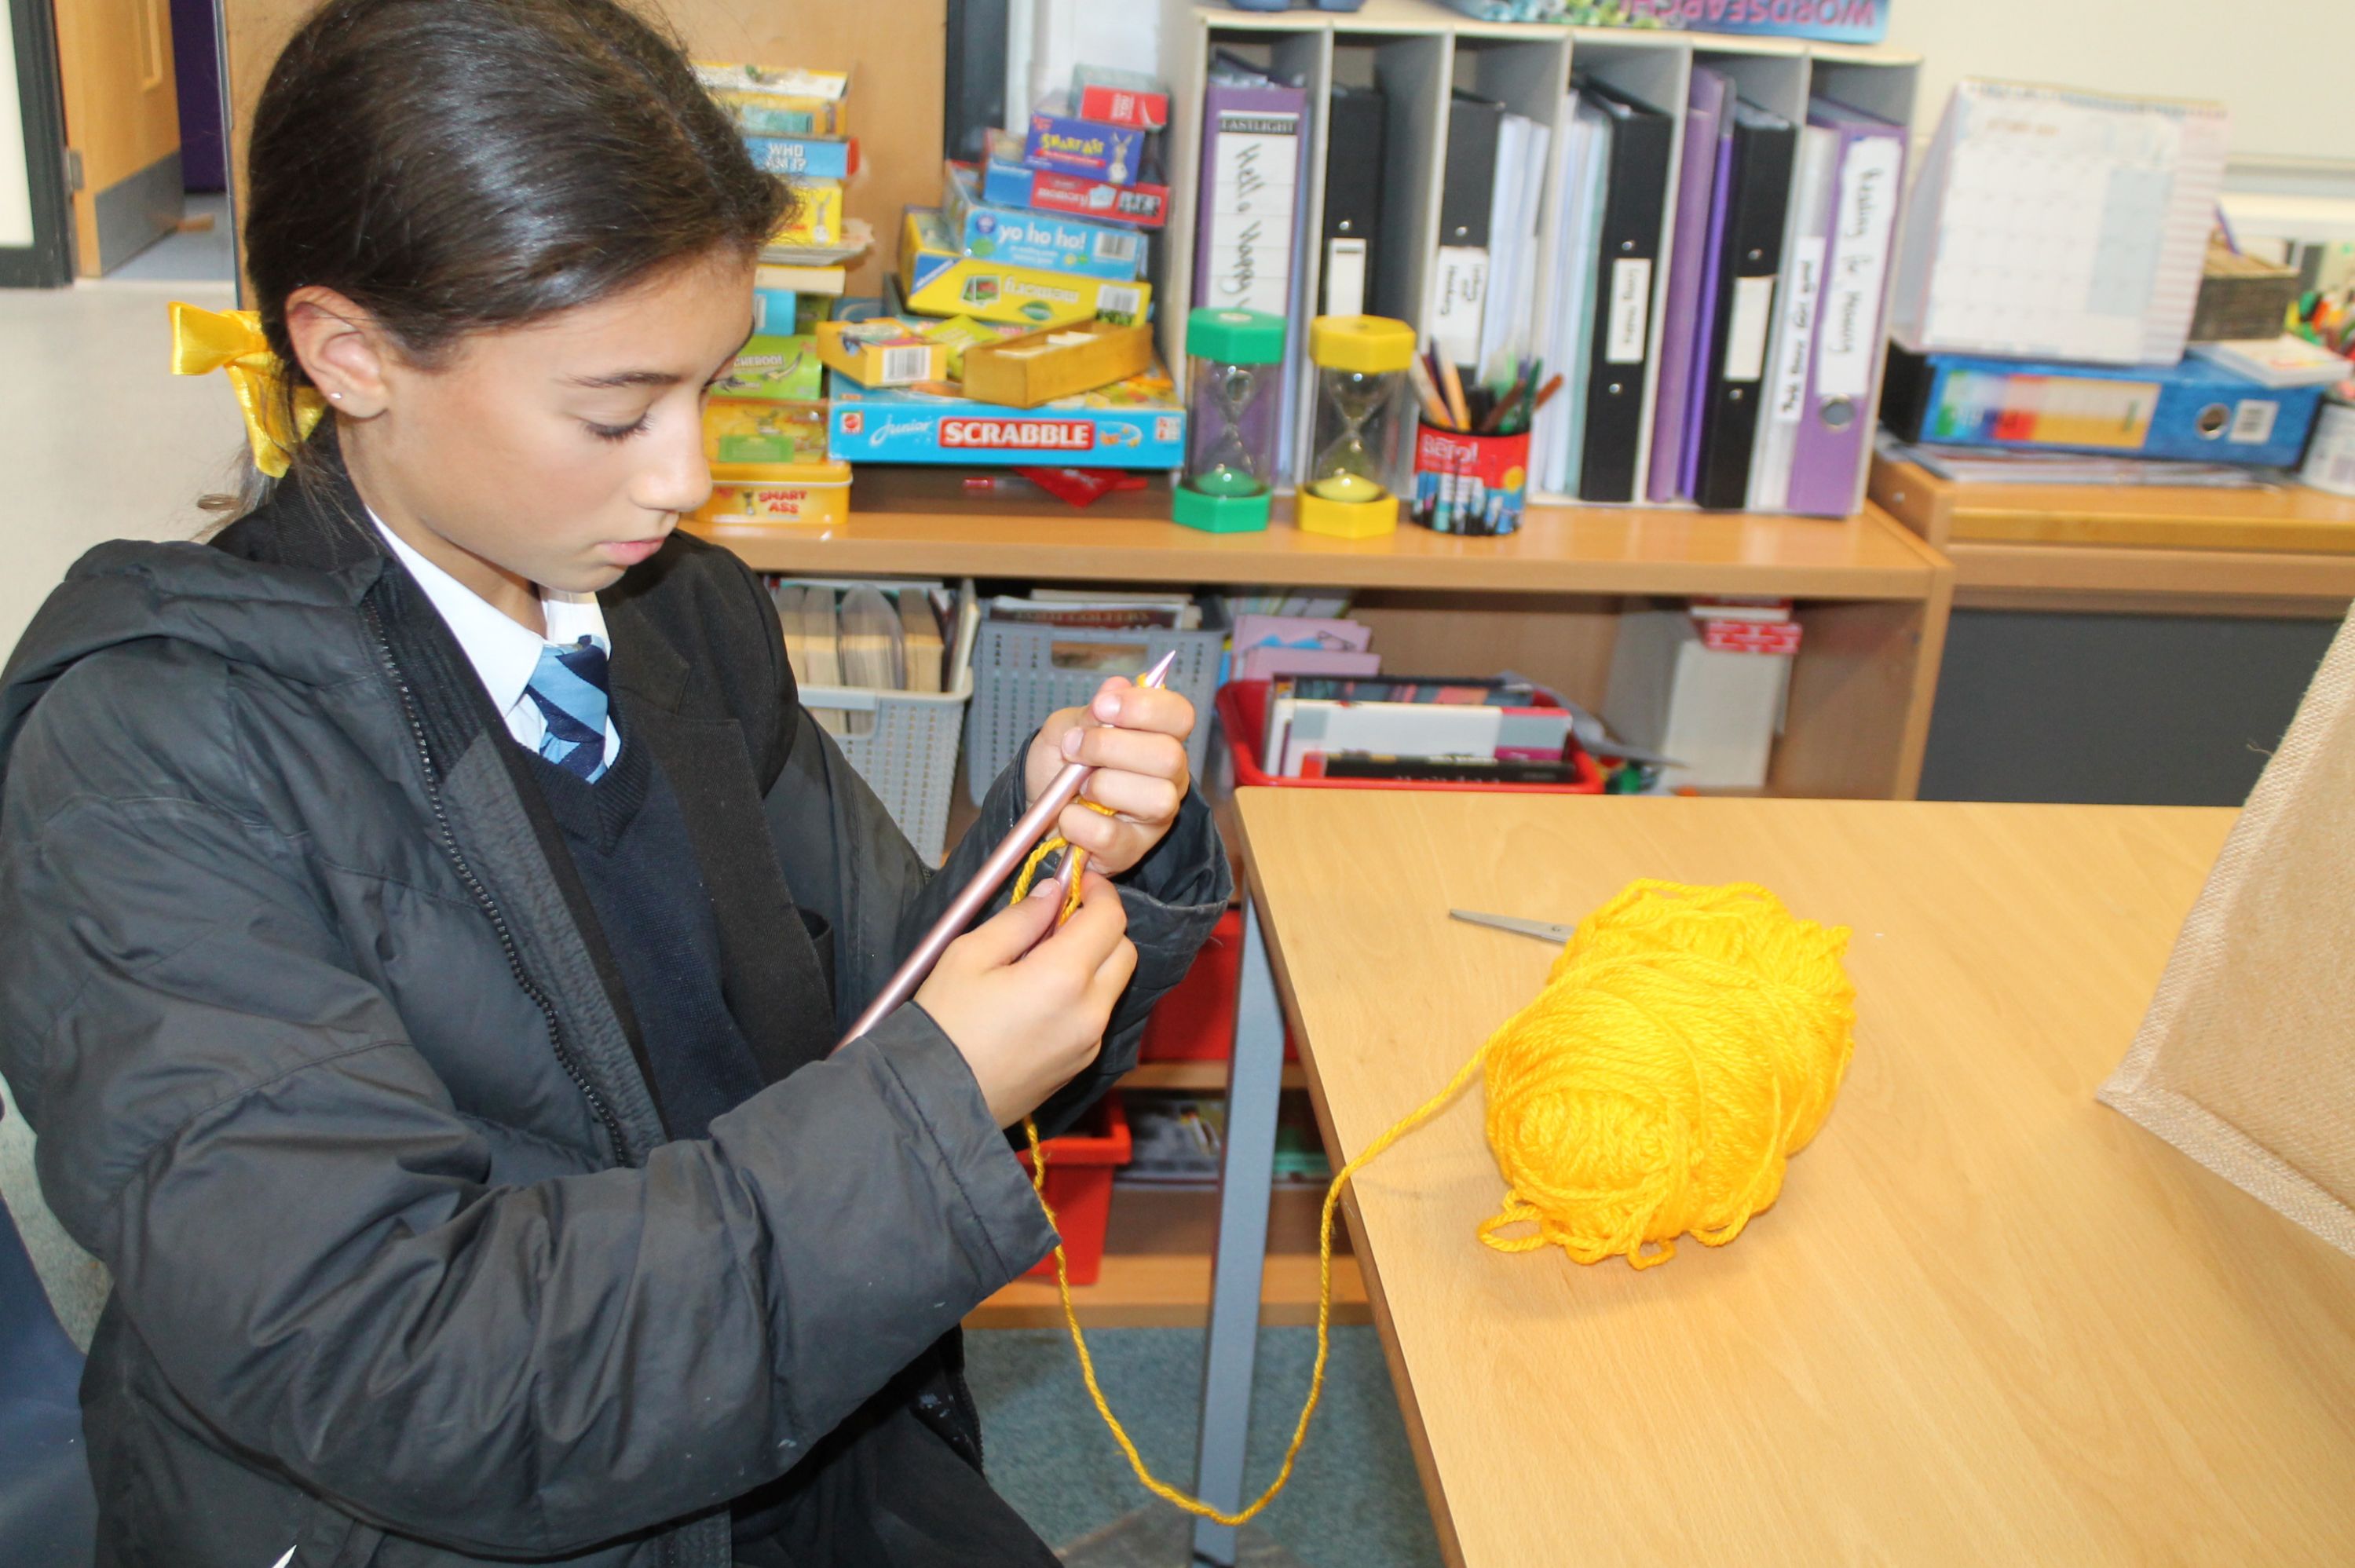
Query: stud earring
(336, 397)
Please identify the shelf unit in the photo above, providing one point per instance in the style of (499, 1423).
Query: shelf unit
(1872, 597)
(2283, 551)
(1416, 50)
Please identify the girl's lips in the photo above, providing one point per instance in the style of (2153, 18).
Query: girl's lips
(629, 552)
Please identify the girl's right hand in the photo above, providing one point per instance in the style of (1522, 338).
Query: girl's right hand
(1028, 1019)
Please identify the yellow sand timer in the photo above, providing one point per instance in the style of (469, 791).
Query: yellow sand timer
(1358, 431)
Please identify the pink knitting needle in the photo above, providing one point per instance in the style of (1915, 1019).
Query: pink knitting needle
(1010, 852)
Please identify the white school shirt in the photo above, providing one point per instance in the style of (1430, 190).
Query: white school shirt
(504, 651)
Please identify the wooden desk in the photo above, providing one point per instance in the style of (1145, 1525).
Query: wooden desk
(2286, 550)
(1989, 1321)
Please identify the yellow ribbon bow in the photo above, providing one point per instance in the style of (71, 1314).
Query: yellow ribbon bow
(204, 341)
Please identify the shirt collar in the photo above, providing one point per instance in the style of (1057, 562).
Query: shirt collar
(502, 651)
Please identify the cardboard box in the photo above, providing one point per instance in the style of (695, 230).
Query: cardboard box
(769, 114)
(773, 102)
(1008, 181)
(882, 351)
(774, 369)
(2192, 410)
(1035, 239)
(817, 217)
(765, 493)
(1063, 144)
(778, 432)
(936, 278)
(805, 158)
(1039, 367)
(1118, 98)
(1136, 423)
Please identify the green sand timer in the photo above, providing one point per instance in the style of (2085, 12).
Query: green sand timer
(1234, 373)
(1361, 364)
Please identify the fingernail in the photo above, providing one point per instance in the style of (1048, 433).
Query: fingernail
(1107, 707)
(1070, 743)
(1044, 888)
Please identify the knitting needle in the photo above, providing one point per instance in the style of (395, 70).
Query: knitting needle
(1010, 852)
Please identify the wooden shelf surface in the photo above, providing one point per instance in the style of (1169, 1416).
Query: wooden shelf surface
(906, 522)
(2281, 549)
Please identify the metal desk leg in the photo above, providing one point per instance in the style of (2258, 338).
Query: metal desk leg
(1244, 1183)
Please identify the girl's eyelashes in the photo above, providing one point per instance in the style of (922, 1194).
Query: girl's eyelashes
(618, 432)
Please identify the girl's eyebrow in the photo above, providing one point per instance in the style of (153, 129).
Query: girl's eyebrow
(651, 377)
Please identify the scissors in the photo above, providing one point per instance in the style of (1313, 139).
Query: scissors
(1544, 930)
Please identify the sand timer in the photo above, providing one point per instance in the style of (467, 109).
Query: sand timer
(1361, 364)
(1234, 373)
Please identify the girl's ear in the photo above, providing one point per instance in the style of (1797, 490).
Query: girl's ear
(343, 350)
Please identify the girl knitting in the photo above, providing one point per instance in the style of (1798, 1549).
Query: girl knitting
(428, 910)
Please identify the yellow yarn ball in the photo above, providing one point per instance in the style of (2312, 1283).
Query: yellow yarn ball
(1688, 1042)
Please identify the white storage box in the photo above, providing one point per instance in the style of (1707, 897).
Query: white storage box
(1716, 712)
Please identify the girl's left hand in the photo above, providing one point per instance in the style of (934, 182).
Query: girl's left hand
(1134, 736)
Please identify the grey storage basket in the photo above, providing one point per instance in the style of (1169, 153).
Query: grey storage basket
(909, 756)
(1017, 681)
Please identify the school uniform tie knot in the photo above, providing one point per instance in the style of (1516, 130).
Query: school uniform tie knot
(569, 688)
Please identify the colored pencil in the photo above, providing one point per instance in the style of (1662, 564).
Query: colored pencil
(1454, 385)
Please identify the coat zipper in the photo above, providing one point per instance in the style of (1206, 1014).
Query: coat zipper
(482, 895)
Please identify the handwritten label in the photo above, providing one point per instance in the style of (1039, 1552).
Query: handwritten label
(1848, 348)
(1631, 307)
(1806, 274)
(1251, 212)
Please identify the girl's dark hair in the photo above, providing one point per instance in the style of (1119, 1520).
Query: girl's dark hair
(452, 165)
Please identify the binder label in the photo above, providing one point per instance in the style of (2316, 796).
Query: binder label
(1849, 349)
(1745, 335)
(1458, 290)
(1790, 391)
(1344, 277)
(1251, 210)
(1631, 308)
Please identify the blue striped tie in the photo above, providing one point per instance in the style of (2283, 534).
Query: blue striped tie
(569, 688)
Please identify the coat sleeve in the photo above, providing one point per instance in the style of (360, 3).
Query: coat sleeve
(843, 855)
(304, 1230)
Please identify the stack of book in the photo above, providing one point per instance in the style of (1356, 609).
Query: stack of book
(867, 636)
(1460, 732)
(795, 124)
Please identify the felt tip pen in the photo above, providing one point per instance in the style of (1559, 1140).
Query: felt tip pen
(1010, 852)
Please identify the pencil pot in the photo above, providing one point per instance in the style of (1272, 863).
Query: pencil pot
(1469, 483)
(1356, 466)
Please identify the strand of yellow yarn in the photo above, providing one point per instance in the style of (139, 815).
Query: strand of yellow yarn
(1688, 1042)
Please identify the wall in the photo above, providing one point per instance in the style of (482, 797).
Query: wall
(894, 49)
(16, 182)
(2288, 99)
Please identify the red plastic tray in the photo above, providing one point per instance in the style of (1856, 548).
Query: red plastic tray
(1242, 715)
(1080, 1165)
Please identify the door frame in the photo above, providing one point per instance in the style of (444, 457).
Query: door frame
(48, 261)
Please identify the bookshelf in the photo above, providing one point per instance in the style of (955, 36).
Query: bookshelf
(1416, 50)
